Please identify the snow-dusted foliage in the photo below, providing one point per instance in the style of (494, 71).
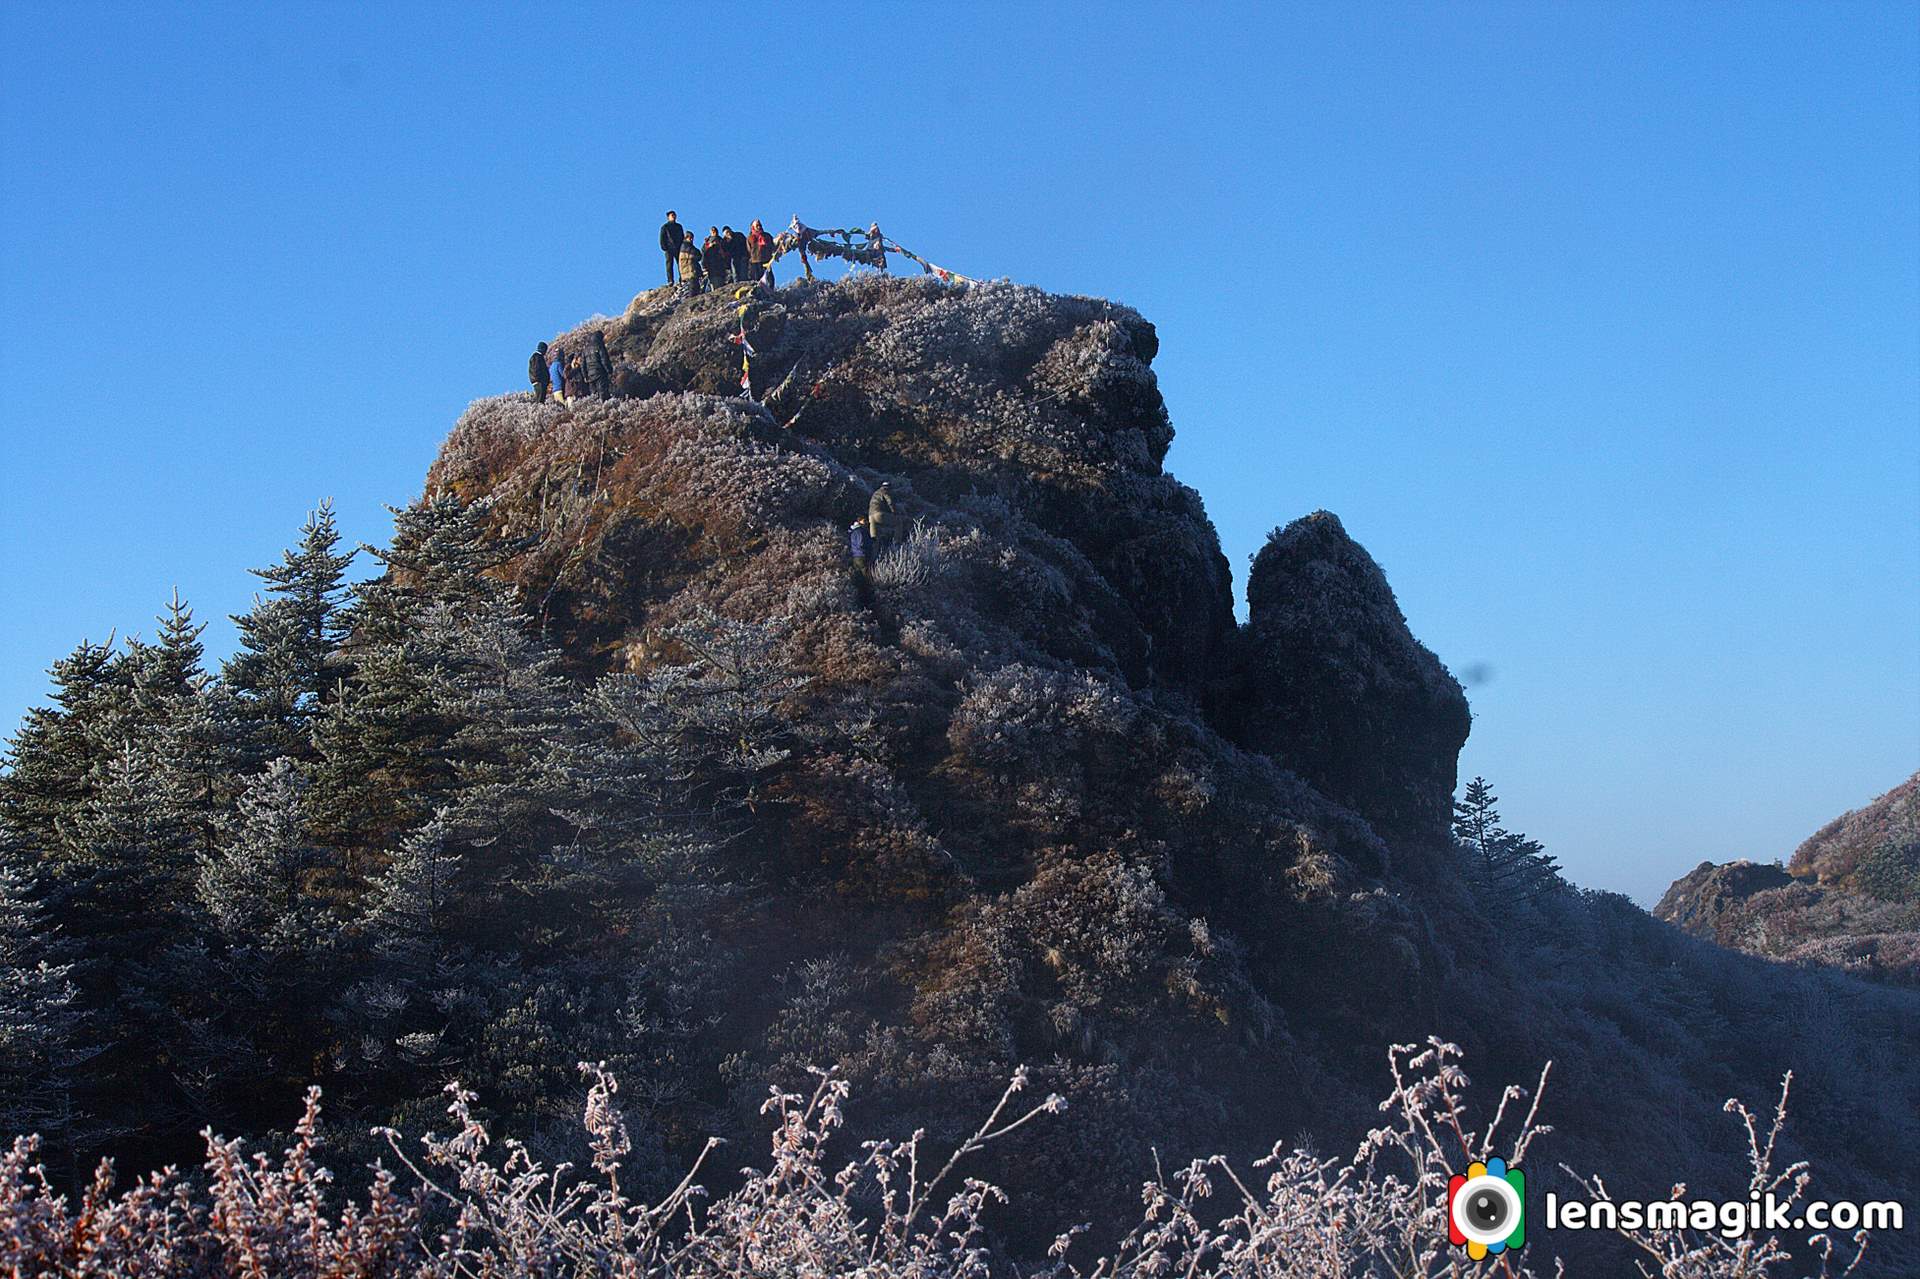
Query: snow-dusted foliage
(254, 885)
(473, 1206)
(742, 486)
(915, 563)
(1685, 1252)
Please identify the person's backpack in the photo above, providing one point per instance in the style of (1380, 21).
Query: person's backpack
(536, 368)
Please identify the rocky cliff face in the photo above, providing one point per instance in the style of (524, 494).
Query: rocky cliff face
(1860, 849)
(1701, 900)
(1026, 432)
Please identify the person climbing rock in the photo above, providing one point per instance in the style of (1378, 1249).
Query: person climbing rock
(736, 253)
(713, 256)
(689, 266)
(672, 235)
(860, 551)
(759, 252)
(879, 515)
(538, 373)
(557, 374)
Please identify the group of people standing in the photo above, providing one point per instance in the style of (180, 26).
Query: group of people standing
(725, 256)
(570, 376)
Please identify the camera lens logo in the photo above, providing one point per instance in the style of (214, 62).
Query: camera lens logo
(1487, 1209)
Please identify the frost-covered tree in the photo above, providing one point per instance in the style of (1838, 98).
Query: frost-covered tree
(514, 807)
(41, 1025)
(255, 886)
(1505, 865)
(382, 754)
(52, 761)
(416, 898)
(125, 855)
(119, 879)
(165, 672)
(287, 638)
(386, 735)
(708, 730)
(442, 551)
(210, 746)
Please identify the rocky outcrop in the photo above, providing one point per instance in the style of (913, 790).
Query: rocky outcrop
(1837, 853)
(1008, 818)
(1338, 689)
(1701, 900)
(1849, 899)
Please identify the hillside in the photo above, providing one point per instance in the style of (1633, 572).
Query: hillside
(615, 762)
(1849, 898)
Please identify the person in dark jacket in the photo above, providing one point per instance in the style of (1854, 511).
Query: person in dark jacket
(860, 551)
(689, 267)
(759, 252)
(736, 253)
(672, 234)
(713, 256)
(538, 374)
(597, 366)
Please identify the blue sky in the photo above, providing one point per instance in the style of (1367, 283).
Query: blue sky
(1598, 325)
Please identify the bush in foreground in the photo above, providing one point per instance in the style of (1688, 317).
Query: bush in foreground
(475, 1208)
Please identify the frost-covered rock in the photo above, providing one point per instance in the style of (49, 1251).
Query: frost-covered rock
(1340, 690)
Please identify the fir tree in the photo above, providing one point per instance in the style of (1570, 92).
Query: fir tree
(709, 730)
(120, 882)
(287, 638)
(415, 898)
(41, 1025)
(52, 761)
(255, 886)
(171, 670)
(384, 737)
(1504, 865)
(210, 747)
(441, 553)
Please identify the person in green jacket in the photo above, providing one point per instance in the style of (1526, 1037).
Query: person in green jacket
(880, 516)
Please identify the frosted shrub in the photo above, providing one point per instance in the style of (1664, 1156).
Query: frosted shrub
(1699, 1254)
(493, 434)
(1022, 719)
(913, 564)
(883, 1214)
(751, 487)
(247, 1218)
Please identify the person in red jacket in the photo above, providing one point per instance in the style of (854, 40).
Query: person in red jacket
(759, 252)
